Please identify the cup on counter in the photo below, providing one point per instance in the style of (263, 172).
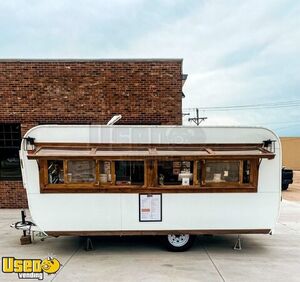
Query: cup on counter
(69, 177)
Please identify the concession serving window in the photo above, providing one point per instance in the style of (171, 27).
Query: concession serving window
(149, 168)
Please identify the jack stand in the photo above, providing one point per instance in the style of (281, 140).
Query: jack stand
(89, 244)
(25, 239)
(238, 244)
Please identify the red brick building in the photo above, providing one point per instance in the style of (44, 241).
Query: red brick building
(36, 92)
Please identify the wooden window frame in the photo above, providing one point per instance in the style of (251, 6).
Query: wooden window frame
(150, 179)
(95, 186)
(234, 186)
(66, 186)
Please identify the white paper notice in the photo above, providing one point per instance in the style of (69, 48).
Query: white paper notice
(150, 207)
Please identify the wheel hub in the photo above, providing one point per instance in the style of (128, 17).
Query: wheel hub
(178, 240)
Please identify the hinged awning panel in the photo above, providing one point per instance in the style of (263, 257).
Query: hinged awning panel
(151, 152)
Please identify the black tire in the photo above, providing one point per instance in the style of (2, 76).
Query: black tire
(179, 243)
(284, 187)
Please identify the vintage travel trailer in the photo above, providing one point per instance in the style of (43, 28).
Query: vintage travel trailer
(174, 181)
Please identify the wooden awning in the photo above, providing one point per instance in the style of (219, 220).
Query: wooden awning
(151, 151)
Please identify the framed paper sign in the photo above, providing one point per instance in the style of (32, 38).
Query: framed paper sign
(150, 207)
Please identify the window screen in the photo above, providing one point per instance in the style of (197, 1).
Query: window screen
(175, 173)
(55, 172)
(222, 171)
(81, 171)
(129, 172)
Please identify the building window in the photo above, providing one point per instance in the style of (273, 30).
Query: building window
(175, 173)
(10, 141)
(129, 172)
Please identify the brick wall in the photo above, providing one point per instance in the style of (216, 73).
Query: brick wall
(86, 91)
(12, 195)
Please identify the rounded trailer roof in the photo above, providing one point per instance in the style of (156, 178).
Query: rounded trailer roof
(148, 134)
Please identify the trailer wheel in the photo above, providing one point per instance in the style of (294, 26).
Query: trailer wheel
(179, 243)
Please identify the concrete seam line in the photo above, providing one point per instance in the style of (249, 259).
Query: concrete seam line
(285, 225)
(72, 255)
(213, 263)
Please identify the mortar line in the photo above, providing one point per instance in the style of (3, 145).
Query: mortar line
(72, 255)
(215, 266)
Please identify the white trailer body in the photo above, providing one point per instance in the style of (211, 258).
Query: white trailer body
(199, 210)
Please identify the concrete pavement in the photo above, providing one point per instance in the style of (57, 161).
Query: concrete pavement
(263, 257)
